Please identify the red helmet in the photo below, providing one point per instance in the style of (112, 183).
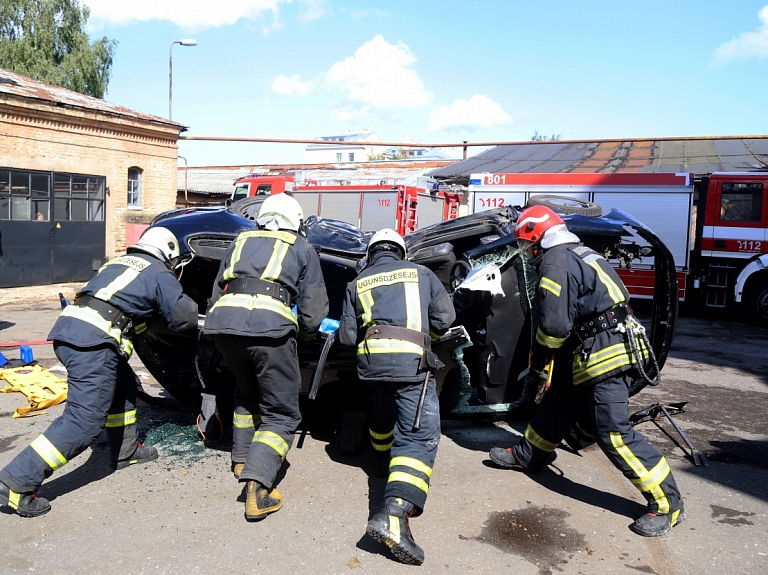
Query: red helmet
(534, 221)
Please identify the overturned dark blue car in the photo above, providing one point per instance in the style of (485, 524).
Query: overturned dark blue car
(483, 353)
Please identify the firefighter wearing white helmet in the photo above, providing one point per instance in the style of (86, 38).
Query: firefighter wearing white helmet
(93, 340)
(160, 243)
(391, 312)
(280, 211)
(588, 350)
(389, 236)
(266, 272)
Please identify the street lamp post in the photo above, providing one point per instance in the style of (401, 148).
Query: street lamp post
(183, 42)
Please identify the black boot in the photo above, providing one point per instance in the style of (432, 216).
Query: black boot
(656, 524)
(505, 457)
(390, 526)
(141, 455)
(25, 504)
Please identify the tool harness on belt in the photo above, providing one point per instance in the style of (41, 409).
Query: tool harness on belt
(118, 325)
(620, 319)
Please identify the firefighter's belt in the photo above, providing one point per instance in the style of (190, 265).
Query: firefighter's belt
(395, 332)
(603, 322)
(255, 286)
(411, 336)
(42, 388)
(108, 312)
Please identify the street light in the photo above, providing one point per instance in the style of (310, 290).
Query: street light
(183, 42)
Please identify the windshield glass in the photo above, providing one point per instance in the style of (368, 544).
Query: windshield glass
(241, 191)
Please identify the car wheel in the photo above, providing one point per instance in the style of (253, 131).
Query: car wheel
(247, 207)
(756, 302)
(566, 205)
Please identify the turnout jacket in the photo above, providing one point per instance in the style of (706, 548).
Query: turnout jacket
(576, 284)
(138, 285)
(281, 257)
(391, 291)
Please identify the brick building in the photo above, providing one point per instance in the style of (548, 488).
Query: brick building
(77, 176)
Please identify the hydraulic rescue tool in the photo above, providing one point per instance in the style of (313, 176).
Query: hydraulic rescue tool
(652, 412)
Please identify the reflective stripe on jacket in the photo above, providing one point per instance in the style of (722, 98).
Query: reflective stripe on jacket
(138, 285)
(279, 256)
(391, 291)
(577, 284)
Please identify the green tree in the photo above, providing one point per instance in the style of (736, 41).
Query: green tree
(542, 138)
(46, 40)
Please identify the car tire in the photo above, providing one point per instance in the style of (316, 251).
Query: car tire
(756, 302)
(566, 205)
(247, 207)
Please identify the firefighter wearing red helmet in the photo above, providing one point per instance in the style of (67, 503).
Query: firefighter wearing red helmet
(588, 349)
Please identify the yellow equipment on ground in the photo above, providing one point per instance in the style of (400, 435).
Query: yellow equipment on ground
(42, 388)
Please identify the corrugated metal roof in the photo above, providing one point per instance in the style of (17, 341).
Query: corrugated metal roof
(219, 180)
(22, 86)
(697, 155)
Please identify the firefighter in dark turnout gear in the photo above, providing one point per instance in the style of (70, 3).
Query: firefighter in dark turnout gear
(585, 325)
(391, 313)
(263, 274)
(92, 339)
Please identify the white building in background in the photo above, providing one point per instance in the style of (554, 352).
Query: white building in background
(333, 153)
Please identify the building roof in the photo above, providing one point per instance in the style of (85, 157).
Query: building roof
(22, 86)
(362, 137)
(696, 155)
(219, 180)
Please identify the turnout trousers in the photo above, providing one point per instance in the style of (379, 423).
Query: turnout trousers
(101, 392)
(412, 453)
(606, 403)
(266, 397)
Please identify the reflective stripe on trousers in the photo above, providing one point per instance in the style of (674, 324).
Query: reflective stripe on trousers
(100, 383)
(413, 453)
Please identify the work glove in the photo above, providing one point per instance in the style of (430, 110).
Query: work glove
(536, 383)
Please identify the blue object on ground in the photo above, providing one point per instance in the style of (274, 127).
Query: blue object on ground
(3, 361)
(25, 354)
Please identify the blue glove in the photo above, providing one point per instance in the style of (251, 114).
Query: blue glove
(329, 325)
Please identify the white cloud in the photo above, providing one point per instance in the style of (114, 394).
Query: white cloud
(360, 14)
(379, 76)
(312, 10)
(747, 45)
(191, 14)
(291, 86)
(477, 112)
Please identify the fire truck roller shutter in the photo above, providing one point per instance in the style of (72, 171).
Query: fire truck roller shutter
(566, 205)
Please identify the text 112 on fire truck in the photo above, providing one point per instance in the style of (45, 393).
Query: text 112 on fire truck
(715, 225)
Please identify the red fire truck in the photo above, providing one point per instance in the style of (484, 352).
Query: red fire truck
(716, 225)
(383, 204)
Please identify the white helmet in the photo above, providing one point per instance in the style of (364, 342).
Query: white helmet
(160, 243)
(385, 235)
(280, 211)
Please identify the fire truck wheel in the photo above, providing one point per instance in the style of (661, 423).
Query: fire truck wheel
(756, 302)
(566, 205)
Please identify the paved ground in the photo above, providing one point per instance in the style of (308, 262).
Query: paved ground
(183, 513)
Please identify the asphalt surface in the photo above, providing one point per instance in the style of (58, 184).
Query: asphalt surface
(184, 512)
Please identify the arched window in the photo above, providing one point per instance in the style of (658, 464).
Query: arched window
(134, 187)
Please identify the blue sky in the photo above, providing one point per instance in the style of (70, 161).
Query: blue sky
(438, 71)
